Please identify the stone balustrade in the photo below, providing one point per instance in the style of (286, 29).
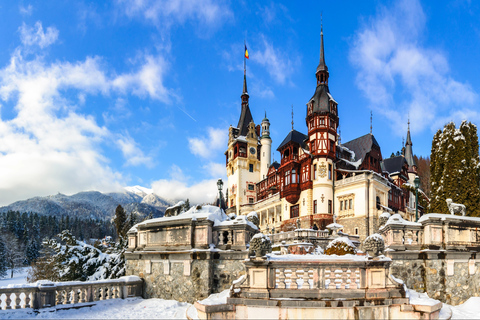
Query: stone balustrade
(432, 231)
(179, 233)
(332, 281)
(46, 294)
(316, 237)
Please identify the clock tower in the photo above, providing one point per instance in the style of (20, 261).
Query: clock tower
(243, 159)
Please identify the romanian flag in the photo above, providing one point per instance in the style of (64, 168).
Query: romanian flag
(246, 52)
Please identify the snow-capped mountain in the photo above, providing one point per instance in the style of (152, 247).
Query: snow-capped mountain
(138, 190)
(94, 204)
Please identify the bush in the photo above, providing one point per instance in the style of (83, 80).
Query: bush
(341, 246)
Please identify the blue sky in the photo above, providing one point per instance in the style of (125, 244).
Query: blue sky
(102, 95)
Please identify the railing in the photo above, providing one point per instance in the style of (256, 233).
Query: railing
(318, 278)
(307, 235)
(328, 278)
(48, 294)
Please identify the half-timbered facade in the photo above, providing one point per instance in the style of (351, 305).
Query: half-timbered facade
(317, 176)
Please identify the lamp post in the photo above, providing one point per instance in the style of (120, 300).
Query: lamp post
(417, 184)
(220, 195)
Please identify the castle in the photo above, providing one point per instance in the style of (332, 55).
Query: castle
(318, 177)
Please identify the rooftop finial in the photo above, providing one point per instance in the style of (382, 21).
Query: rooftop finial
(245, 57)
(292, 117)
(321, 23)
(371, 121)
(321, 65)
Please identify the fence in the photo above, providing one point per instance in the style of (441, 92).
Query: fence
(68, 294)
(351, 279)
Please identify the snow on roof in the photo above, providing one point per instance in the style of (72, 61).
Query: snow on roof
(442, 216)
(356, 164)
(211, 213)
(237, 220)
(331, 98)
(241, 138)
(385, 214)
(334, 225)
(397, 219)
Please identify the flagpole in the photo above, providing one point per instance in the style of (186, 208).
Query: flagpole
(244, 59)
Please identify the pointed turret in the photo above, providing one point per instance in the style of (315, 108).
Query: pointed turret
(409, 151)
(322, 69)
(246, 115)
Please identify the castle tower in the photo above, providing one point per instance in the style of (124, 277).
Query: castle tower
(412, 165)
(266, 149)
(322, 123)
(243, 158)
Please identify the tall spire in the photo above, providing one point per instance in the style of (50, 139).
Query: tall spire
(322, 69)
(409, 151)
(245, 115)
(371, 121)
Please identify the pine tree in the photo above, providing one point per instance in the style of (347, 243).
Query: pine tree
(454, 168)
(120, 221)
(3, 259)
(470, 192)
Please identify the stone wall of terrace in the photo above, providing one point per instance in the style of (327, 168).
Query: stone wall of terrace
(320, 287)
(189, 256)
(438, 255)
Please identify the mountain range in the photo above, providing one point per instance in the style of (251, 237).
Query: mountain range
(94, 204)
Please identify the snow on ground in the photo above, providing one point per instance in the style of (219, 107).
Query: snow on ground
(18, 277)
(138, 308)
(131, 308)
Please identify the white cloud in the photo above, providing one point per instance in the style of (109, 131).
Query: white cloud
(277, 64)
(205, 147)
(26, 11)
(148, 80)
(216, 170)
(132, 153)
(177, 188)
(48, 146)
(36, 36)
(400, 76)
(165, 13)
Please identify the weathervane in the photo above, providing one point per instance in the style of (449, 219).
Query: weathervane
(292, 117)
(371, 121)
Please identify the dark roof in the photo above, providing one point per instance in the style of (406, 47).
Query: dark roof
(394, 164)
(294, 136)
(245, 119)
(275, 165)
(321, 99)
(408, 149)
(362, 145)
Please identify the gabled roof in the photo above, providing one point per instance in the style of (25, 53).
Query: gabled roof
(362, 145)
(294, 136)
(394, 164)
